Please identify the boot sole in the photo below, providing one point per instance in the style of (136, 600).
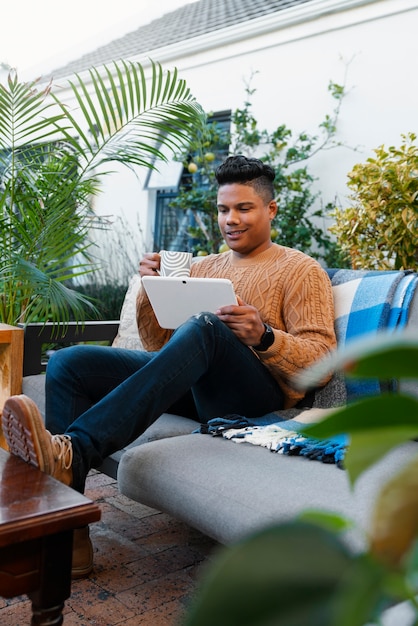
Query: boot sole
(25, 432)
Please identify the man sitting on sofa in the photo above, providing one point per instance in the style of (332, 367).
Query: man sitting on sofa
(240, 360)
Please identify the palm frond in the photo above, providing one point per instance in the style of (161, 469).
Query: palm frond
(25, 115)
(51, 165)
(40, 296)
(127, 118)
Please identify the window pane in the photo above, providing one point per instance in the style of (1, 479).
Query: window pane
(171, 224)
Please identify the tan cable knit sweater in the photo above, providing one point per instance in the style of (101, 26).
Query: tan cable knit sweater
(293, 295)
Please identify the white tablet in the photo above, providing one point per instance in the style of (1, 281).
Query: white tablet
(175, 299)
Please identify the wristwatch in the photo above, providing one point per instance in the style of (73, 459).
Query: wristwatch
(267, 339)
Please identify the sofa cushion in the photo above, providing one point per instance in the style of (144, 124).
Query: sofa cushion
(227, 491)
(166, 425)
(34, 387)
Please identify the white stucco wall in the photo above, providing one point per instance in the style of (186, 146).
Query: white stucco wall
(295, 54)
(375, 43)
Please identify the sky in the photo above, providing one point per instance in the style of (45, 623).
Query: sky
(38, 36)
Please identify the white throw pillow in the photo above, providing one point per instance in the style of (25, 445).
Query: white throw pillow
(128, 336)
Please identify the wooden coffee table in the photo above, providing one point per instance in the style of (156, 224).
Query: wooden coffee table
(37, 517)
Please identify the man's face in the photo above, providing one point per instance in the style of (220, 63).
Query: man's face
(244, 219)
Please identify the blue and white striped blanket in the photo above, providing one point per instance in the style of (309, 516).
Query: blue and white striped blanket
(366, 303)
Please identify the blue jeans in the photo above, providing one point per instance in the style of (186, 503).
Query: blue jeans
(104, 398)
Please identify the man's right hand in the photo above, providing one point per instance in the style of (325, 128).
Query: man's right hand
(150, 264)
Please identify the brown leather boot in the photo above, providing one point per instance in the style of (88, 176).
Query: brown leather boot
(82, 553)
(27, 438)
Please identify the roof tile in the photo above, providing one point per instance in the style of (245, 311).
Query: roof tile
(184, 23)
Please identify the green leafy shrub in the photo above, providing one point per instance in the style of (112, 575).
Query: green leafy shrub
(108, 298)
(199, 189)
(379, 230)
(300, 221)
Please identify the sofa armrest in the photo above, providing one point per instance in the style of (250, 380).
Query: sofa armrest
(35, 335)
(11, 361)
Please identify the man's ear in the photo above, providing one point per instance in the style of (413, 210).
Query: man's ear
(272, 208)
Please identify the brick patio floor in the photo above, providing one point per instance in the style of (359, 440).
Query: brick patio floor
(147, 566)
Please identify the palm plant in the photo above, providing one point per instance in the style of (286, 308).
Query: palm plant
(52, 160)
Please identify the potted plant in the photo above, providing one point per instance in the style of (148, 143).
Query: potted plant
(52, 159)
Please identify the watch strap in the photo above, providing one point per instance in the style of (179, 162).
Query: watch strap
(267, 339)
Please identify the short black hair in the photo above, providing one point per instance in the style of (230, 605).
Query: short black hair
(247, 171)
